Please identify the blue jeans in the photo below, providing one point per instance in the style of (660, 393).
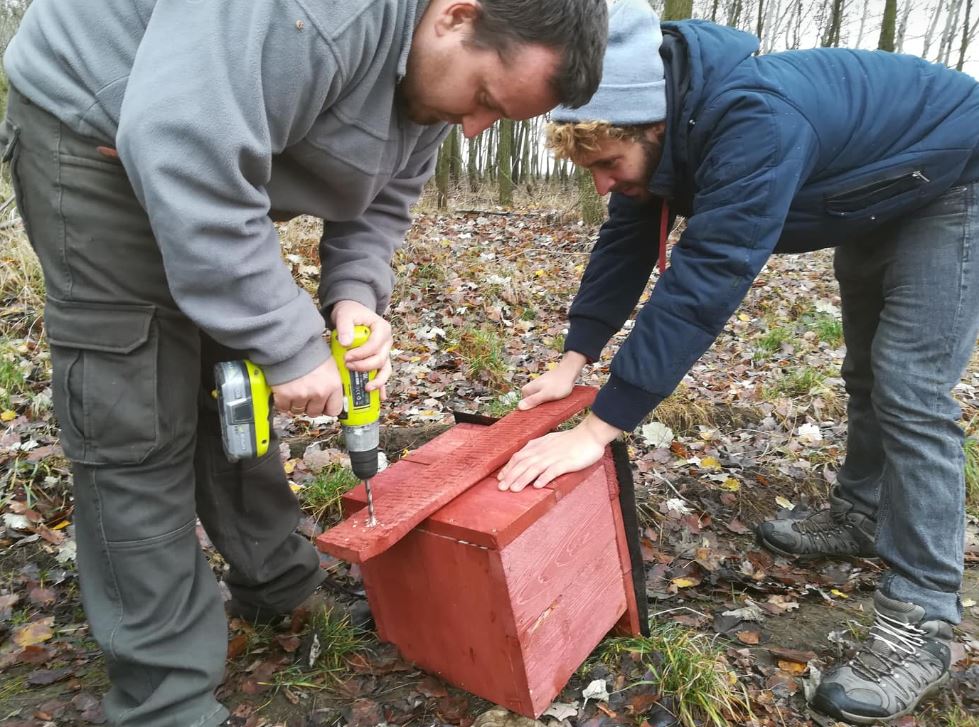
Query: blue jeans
(910, 319)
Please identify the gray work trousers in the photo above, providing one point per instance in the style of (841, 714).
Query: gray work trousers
(131, 383)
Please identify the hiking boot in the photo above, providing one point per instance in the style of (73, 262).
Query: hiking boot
(320, 600)
(838, 531)
(904, 659)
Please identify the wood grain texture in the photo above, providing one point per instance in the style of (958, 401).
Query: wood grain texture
(400, 509)
(444, 604)
(565, 585)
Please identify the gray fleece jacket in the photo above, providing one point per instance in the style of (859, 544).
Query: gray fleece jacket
(225, 110)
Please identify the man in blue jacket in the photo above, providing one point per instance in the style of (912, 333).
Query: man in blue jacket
(873, 153)
(151, 144)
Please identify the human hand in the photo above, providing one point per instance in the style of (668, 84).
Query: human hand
(555, 384)
(375, 354)
(318, 392)
(545, 458)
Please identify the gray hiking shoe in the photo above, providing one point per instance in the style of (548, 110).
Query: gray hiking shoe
(838, 531)
(904, 659)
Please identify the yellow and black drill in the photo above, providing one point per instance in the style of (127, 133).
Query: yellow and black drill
(244, 396)
(361, 412)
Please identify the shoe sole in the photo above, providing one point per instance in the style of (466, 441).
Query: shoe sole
(760, 539)
(860, 719)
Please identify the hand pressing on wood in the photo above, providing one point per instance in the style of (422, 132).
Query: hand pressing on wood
(547, 457)
(555, 384)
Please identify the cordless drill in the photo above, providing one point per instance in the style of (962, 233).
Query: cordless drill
(361, 411)
(243, 397)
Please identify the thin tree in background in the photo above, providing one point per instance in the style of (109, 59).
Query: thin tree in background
(831, 37)
(965, 35)
(902, 29)
(734, 13)
(504, 162)
(472, 162)
(442, 165)
(887, 27)
(677, 9)
(592, 208)
(455, 156)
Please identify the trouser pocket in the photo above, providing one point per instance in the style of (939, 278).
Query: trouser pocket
(10, 143)
(104, 371)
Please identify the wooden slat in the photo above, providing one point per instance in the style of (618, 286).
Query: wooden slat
(401, 509)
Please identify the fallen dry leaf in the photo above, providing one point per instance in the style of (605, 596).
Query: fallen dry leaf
(35, 632)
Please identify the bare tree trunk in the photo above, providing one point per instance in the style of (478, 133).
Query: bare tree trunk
(761, 21)
(903, 25)
(472, 163)
(886, 40)
(713, 10)
(592, 211)
(831, 36)
(504, 162)
(965, 35)
(932, 27)
(734, 13)
(951, 28)
(677, 9)
(442, 173)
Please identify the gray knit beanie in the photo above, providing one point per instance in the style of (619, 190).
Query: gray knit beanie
(633, 89)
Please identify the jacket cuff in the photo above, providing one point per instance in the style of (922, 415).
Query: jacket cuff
(588, 337)
(348, 290)
(301, 364)
(623, 405)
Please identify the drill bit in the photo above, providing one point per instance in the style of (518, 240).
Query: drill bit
(371, 520)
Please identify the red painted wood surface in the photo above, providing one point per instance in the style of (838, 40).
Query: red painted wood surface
(400, 509)
(565, 583)
(445, 605)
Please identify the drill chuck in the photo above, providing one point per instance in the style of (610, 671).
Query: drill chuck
(362, 443)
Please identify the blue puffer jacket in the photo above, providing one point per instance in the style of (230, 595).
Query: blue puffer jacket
(785, 152)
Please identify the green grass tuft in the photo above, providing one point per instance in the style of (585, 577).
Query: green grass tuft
(14, 370)
(798, 382)
(690, 667)
(321, 497)
(503, 405)
(334, 640)
(772, 341)
(483, 355)
(958, 717)
(828, 328)
(972, 475)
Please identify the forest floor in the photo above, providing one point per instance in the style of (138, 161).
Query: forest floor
(756, 430)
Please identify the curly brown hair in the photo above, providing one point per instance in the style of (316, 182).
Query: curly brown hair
(572, 141)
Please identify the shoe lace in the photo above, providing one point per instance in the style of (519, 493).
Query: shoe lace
(825, 528)
(890, 644)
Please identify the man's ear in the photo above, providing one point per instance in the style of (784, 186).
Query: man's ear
(456, 16)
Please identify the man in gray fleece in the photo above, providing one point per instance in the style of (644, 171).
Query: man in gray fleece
(151, 144)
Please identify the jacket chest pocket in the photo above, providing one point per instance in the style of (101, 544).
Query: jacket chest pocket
(864, 198)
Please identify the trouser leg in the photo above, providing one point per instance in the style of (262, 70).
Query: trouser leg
(924, 339)
(249, 511)
(126, 366)
(858, 272)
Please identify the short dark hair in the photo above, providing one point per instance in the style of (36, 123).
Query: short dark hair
(577, 28)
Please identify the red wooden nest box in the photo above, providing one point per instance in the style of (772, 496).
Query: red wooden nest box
(502, 594)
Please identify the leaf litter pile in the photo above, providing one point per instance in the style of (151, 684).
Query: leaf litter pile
(756, 430)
